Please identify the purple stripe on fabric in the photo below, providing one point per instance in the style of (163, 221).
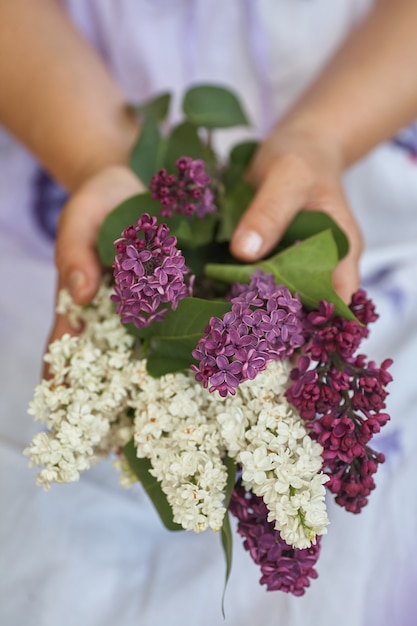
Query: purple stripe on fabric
(407, 140)
(396, 296)
(389, 444)
(47, 201)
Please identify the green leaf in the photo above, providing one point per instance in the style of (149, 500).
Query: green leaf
(196, 258)
(305, 268)
(239, 160)
(213, 107)
(157, 108)
(242, 153)
(177, 335)
(192, 231)
(169, 356)
(126, 213)
(308, 223)
(227, 537)
(141, 467)
(184, 140)
(148, 152)
(227, 543)
(182, 329)
(188, 320)
(231, 478)
(233, 204)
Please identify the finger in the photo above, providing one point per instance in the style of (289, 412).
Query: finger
(281, 195)
(346, 277)
(77, 261)
(76, 258)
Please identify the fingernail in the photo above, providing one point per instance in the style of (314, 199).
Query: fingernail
(76, 282)
(249, 242)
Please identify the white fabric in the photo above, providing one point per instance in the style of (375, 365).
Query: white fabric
(92, 554)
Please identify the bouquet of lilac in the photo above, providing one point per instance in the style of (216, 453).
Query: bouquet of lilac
(224, 388)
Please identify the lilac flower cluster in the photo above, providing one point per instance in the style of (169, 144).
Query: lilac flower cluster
(149, 271)
(342, 398)
(283, 567)
(263, 325)
(188, 193)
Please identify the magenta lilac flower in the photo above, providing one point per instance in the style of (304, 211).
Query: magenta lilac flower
(342, 398)
(263, 325)
(149, 271)
(283, 567)
(188, 193)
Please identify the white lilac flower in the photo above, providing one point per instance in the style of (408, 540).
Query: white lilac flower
(185, 430)
(175, 428)
(84, 404)
(279, 460)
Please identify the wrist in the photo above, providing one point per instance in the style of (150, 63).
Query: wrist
(110, 150)
(312, 139)
(302, 149)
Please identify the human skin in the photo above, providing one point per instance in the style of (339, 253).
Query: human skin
(365, 94)
(346, 113)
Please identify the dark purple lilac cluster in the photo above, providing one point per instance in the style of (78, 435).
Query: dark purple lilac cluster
(342, 398)
(187, 193)
(263, 325)
(149, 271)
(283, 567)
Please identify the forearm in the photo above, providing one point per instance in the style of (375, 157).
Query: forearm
(57, 96)
(369, 89)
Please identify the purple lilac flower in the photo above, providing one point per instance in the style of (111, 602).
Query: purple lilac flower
(188, 193)
(263, 325)
(283, 567)
(342, 398)
(149, 271)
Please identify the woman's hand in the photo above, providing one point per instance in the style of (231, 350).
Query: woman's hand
(293, 171)
(343, 115)
(77, 262)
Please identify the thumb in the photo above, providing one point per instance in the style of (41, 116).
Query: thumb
(266, 219)
(77, 262)
(78, 269)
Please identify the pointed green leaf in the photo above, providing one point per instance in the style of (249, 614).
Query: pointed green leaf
(308, 223)
(242, 153)
(141, 467)
(213, 107)
(231, 478)
(227, 537)
(192, 231)
(227, 543)
(196, 258)
(157, 108)
(188, 320)
(126, 213)
(148, 152)
(177, 335)
(234, 203)
(182, 331)
(305, 268)
(239, 160)
(184, 140)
